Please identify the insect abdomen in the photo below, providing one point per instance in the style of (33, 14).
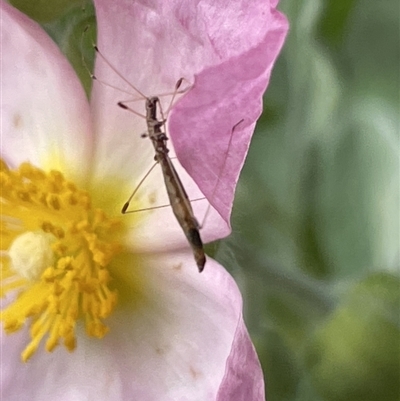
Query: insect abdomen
(197, 247)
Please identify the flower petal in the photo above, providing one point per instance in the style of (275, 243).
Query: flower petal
(221, 110)
(45, 113)
(243, 376)
(186, 342)
(152, 45)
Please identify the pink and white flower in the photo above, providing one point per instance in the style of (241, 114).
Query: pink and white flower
(123, 293)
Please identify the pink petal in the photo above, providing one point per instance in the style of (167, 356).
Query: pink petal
(187, 343)
(45, 114)
(222, 96)
(154, 44)
(243, 376)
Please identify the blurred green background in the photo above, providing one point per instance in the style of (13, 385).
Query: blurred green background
(315, 242)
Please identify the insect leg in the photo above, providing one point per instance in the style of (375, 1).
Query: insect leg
(126, 205)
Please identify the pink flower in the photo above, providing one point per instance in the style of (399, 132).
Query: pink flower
(122, 292)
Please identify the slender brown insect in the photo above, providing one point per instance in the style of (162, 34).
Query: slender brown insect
(177, 195)
(176, 192)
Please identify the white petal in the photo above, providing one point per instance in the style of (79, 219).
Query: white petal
(173, 346)
(45, 114)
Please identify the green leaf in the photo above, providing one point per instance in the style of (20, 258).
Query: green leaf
(75, 34)
(44, 10)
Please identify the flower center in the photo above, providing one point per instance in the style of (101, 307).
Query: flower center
(55, 252)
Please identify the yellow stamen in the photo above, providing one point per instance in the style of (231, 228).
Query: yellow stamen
(55, 250)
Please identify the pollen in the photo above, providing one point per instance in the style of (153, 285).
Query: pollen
(55, 254)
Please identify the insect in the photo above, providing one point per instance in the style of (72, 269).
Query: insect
(177, 195)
